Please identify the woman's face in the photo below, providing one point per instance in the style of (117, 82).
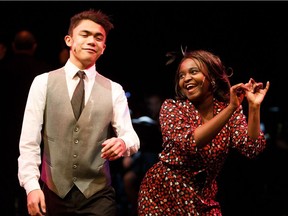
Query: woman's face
(192, 80)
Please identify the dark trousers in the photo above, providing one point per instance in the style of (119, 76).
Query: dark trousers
(101, 203)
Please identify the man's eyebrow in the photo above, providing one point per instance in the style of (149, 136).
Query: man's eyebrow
(85, 31)
(89, 32)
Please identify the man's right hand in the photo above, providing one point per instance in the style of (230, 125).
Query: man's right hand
(36, 203)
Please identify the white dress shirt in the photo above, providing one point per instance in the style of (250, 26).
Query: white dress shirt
(30, 139)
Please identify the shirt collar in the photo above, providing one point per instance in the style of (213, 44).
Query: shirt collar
(71, 70)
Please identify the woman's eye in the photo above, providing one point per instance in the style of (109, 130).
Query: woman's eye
(181, 76)
(194, 71)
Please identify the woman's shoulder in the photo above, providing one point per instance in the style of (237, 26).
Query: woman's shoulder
(178, 103)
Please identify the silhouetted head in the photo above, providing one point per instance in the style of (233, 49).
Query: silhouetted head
(24, 42)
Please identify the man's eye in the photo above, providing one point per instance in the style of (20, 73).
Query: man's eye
(99, 38)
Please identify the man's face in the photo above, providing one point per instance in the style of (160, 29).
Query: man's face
(86, 44)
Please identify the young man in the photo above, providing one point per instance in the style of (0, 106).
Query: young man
(76, 153)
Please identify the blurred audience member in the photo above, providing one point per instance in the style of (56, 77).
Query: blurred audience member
(63, 55)
(148, 129)
(276, 165)
(3, 49)
(21, 68)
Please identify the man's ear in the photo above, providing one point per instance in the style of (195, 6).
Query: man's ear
(68, 40)
(104, 47)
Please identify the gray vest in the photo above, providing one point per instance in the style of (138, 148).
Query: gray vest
(72, 149)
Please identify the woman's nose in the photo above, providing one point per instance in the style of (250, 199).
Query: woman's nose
(187, 77)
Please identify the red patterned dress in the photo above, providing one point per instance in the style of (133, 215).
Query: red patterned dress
(184, 181)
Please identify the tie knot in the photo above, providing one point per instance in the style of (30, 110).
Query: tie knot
(81, 74)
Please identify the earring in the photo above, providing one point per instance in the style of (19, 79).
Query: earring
(213, 83)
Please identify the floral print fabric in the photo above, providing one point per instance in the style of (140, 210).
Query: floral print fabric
(183, 182)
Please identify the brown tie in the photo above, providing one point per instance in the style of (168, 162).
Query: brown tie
(78, 98)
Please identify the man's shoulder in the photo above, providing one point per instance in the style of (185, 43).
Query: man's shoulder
(106, 79)
(56, 71)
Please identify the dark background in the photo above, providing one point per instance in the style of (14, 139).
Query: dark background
(249, 36)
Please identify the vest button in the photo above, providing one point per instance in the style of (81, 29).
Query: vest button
(74, 166)
(74, 179)
(75, 155)
(76, 141)
(76, 129)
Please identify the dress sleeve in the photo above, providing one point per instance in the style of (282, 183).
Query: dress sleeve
(239, 136)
